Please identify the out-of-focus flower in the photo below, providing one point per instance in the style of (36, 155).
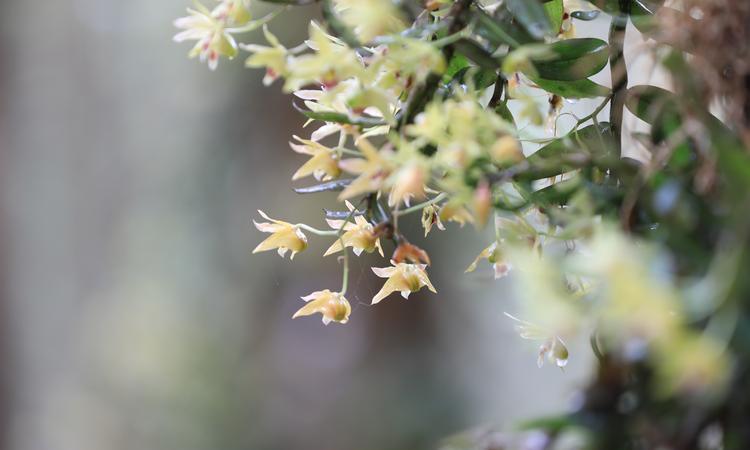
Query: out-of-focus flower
(413, 58)
(403, 278)
(482, 203)
(494, 256)
(210, 31)
(553, 347)
(332, 305)
(692, 365)
(323, 164)
(235, 10)
(284, 237)
(455, 212)
(409, 252)
(408, 182)
(332, 62)
(430, 218)
(360, 235)
(370, 18)
(273, 58)
(373, 170)
(506, 150)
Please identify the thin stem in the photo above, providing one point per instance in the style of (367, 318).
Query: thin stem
(466, 32)
(255, 24)
(317, 231)
(421, 206)
(595, 113)
(340, 233)
(618, 68)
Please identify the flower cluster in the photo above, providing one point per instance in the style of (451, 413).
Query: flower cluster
(424, 108)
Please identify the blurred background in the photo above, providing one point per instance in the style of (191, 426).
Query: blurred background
(133, 313)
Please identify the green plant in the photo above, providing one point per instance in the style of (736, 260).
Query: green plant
(647, 256)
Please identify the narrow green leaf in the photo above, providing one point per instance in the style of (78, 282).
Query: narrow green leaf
(476, 53)
(532, 15)
(331, 116)
(555, 11)
(586, 16)
(291, 2)
(335, 185)
(457, 63)
(584, 88)
(590, 145)
(572, 59)
(503, 111)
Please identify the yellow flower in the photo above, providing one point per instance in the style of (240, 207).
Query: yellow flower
(370, 18)
(324, 162)
(506, 151)
(552, 347)
(332, 305)
(455, 212)
(273, 58)
(284, 237)
(210, 31)
(408, 182)
(494, 256)
(331, 63)
(403, 278)
(235, 10)
(373, 169)
(431, 217)
(360, 236)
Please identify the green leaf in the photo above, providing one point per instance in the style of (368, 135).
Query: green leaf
(590, 145)
(503, 111)
(586, 16)
(584, 88)
(555, 11)
(572, 59)
(335, 185)
(532, 16)
(476, 53)
(291, 2)
(331, 116)
(550, 424)
(661, 109)
(456, 64)
(499, 31)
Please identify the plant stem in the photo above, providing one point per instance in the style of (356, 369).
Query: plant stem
(618, 68)
(595, 113)
(422, 95)
(420, 206)
(317, 231)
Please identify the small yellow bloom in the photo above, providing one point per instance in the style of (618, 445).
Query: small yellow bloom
(431, 217)
(403, 278)
(370, 18)
(284, 237)
(332, 62)
(506, 150)
(235, 10)
(408, 182)
(324, 162)
(494, 256)
(273, 58)
(332, 305)
(373, 170)
(360, 236)
(209, 29)
(455, 212)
